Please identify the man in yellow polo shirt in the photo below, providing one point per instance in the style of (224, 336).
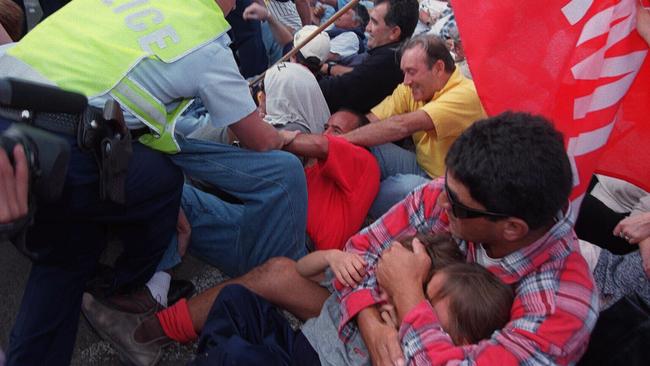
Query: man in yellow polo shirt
(434, 105)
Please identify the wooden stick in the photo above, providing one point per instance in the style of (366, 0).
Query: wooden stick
(316, 32)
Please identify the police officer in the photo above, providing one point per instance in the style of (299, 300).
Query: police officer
(154, 57)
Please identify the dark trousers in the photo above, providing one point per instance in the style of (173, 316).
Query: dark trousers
(621, 336)
(72, 233)
(247, 41)
(245, 329)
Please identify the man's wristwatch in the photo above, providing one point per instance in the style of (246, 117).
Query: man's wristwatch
(329, 67)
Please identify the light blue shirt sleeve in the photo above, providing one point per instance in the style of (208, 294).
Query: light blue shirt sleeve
(209, 72)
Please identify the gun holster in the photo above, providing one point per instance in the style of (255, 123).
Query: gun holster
(105, 135)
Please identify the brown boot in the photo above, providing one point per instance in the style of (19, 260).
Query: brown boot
(137, 302)
(119, 328)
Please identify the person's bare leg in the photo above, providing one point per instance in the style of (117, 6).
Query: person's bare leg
(277, 281)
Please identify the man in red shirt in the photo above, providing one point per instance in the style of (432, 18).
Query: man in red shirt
(342, 181)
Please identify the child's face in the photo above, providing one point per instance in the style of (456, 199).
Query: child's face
(441, 306)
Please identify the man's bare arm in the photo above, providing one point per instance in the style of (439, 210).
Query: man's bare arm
(390, 129)
(310, 146)
(255, 134)
(304, 11)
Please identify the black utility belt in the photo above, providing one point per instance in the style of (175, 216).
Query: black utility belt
(101, 132)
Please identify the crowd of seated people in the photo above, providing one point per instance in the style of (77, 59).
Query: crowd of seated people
(360, 186)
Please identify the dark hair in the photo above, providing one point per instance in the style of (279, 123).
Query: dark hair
(515, 164)
(311, 62)
(435, 49)
(11, 18)
(362, 120)
(362, 15)
(402, 13)
(479, 303)
(441, 248)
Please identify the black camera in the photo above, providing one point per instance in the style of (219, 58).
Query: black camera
(47, 158)
(47, 154)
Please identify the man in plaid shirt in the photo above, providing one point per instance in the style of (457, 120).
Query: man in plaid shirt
(505, 199)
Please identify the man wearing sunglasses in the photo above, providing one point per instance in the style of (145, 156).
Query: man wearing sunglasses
(504, 197)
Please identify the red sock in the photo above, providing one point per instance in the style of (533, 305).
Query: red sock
(177, 323)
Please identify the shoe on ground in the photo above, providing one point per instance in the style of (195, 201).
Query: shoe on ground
(118, 328)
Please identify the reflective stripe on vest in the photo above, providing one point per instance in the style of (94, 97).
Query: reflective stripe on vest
(89, 46)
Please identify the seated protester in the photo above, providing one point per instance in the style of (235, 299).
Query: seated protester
(504, 195)
(342, 181)
(347, 34)
(434, 105)
(360, 88)
(452, 291)
(11, 22)
(292, 100)
(314, 54)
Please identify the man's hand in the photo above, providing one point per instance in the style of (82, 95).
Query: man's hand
(635, 228)
(401, 273)
(184, 230)
(349, 268)
(400, 270)
(381, 339)
(288, 136)
(256, 11)
(14, 186)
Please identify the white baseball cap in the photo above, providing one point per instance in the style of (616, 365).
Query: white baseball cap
(318, 47)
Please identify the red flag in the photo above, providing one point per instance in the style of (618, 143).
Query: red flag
(580, 63)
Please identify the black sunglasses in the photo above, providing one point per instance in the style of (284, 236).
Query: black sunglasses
(463, 212)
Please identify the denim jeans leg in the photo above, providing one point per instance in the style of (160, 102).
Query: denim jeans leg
(215, 232)
(273, 191)
(394, 160)
(400, 174)
(394, 189)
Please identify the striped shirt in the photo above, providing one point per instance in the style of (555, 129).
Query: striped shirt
(286, 12)
(554, 311)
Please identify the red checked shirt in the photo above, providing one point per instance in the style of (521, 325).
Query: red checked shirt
(555, 305)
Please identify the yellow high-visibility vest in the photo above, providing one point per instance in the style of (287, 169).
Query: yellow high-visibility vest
(89, 46)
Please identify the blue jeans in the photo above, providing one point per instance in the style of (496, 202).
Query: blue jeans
(269, 222)
(400, 174)
(245, 329)
(71, 234)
